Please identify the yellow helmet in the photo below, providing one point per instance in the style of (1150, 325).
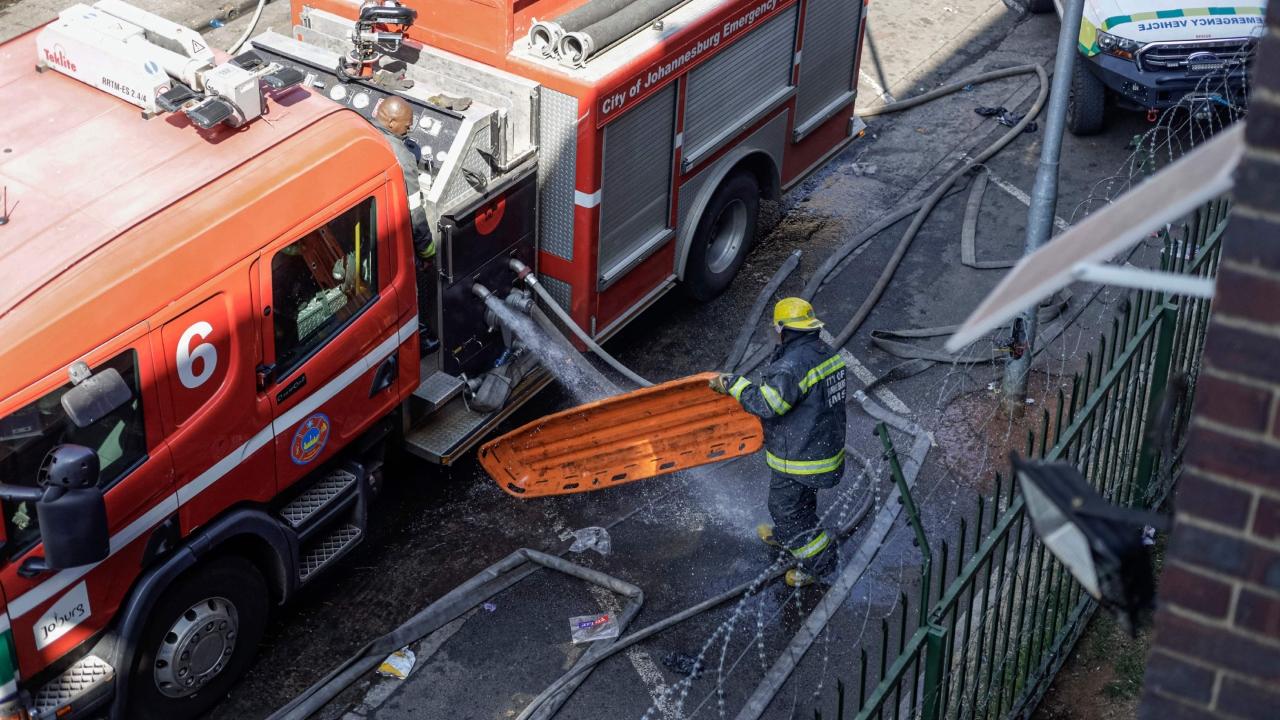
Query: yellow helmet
(796, 314)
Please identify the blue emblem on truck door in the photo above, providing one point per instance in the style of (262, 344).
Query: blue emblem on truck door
(309, 439)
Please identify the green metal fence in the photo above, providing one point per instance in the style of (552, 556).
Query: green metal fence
(1007, 613)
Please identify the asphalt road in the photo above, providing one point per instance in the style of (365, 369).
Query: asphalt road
(684, 538)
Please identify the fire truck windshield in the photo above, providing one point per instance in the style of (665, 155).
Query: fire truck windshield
(28, 434)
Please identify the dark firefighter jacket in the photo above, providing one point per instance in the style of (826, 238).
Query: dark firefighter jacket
(409, 155)
(800, 401)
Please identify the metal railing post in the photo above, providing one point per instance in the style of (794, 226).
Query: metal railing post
(935, 651)
(909, 504)
(1159, 379)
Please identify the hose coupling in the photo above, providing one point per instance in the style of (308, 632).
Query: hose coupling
(523, 272)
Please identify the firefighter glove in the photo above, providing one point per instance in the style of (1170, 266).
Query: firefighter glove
(720, 383)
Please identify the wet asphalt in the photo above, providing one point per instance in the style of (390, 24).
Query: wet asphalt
(686, 537)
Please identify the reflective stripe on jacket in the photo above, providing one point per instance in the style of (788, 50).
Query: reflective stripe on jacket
(800, 401)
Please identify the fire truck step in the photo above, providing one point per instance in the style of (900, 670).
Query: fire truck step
(450, 427)
(75, 687)
(327, 548)
(317, 497)
(439, 388)
(443, 436)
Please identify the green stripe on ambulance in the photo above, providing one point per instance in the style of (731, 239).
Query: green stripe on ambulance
(1217, 15)
(1179, 13)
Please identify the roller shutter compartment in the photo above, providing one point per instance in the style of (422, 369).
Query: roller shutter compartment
(739, 83)
(635, 192)
(826, 64)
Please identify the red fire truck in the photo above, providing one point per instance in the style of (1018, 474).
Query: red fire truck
(212, 304)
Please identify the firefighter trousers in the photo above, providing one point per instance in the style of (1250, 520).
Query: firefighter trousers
(793, 506)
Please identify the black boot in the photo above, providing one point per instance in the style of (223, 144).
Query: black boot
(427, 341)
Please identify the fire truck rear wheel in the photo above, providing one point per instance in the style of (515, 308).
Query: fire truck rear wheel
(203, 633)
(725, 233)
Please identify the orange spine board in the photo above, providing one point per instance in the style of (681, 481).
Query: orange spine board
(652, 431)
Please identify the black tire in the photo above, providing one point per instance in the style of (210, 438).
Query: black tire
(1087, 105)
(238, 584)
(1041, 6)
(725, 233)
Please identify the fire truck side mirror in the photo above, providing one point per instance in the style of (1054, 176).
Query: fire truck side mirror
(71, 510)
(96, 396)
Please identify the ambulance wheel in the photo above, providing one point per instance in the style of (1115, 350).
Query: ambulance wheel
(1040, 6)
(202, 635)
(724, 234)
(1087, 104)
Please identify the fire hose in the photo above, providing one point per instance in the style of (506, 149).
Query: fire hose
(575, 48)
(531, 280)
(922, 209)
(500, 576)
(848, 576)
(525, 561)
(544, 35)
(253, 23)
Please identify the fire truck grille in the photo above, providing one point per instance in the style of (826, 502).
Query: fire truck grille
(1199, 57)
(87, 674)
(323, 550)
(317, 497)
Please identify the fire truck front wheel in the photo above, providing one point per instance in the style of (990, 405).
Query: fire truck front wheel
(725, 233)
(203, 633)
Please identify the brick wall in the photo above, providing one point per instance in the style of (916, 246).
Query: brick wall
(1216, 651)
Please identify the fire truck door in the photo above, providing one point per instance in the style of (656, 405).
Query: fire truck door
(331, 332)
(218, 425)
(53, 612)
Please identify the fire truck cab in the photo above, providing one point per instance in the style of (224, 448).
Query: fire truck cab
(213, 304)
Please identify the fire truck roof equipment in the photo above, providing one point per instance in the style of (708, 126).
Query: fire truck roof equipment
(81, 167)
(157, 64)
(673, 426)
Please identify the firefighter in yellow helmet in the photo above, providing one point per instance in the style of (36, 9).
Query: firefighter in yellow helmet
(800, 401)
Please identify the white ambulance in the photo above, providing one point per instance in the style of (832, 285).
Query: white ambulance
(1156, 54)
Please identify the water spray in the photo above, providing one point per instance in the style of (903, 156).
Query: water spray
(529, 278)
